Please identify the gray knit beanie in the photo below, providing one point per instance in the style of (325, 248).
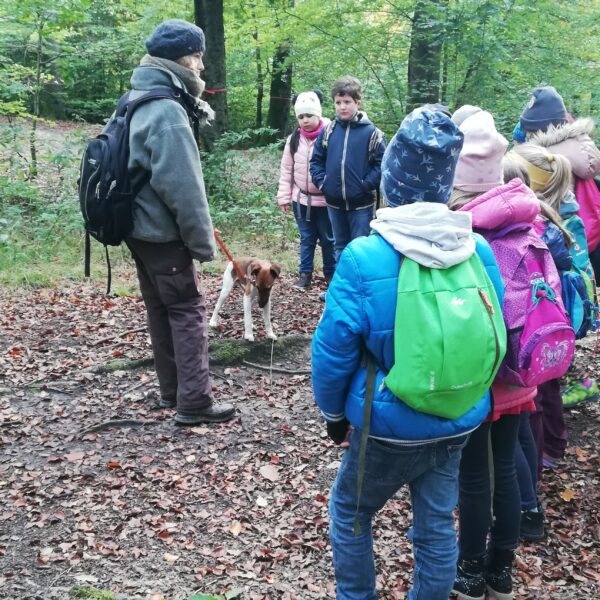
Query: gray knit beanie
(175, 38)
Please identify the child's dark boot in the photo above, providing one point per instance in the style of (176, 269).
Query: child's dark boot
(498, 574)
(470, 582)
(532, 526)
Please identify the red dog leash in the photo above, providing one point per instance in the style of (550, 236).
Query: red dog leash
(228, 255)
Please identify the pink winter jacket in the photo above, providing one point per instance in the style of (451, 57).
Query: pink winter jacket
(295, 181)
(573, 141)
(502, 206)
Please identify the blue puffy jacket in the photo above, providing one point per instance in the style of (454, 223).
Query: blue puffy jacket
(348, 169)
(360, 310)
(554, 238)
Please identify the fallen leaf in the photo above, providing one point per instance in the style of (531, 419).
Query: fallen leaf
(567, 495)
(235, 528)
(75, 456)
(171, 558)
(270, 472)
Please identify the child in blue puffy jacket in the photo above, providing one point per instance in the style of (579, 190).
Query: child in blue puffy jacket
(404, 446)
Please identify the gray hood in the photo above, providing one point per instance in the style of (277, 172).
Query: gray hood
(428, 233)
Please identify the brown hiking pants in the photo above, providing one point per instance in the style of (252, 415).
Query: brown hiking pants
(177, 322)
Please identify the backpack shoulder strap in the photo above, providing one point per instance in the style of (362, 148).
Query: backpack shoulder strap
(364, 438)
(328, 131)
(161, 92)
(374, 141)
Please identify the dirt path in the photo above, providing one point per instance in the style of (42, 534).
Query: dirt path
(141, 507)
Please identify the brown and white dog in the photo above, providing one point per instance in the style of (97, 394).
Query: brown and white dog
(259, 277)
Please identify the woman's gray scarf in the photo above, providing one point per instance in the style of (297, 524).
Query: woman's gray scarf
(192, 84)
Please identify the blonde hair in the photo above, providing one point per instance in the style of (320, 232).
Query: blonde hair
(557, 166)
(513, 169)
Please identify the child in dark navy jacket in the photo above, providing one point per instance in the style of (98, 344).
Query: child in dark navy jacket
(346, 164)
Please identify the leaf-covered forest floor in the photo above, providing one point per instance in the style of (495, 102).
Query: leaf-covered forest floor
(141, 507)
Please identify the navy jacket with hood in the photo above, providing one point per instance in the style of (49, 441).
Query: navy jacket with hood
(348, 169)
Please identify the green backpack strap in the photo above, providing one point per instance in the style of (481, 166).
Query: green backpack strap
(362, 452)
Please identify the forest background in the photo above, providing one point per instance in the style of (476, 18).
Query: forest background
(64, 64)
(148, 508)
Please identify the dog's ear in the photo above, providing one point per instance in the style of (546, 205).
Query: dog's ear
(254, 268)
(275, 270)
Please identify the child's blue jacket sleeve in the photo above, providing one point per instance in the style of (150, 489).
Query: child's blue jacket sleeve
(554, 238)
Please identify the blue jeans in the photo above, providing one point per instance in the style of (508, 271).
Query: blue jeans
(431, 472)
(348, 225)
(318, 229)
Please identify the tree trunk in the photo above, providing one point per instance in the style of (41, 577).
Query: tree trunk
(209, 16)
(33, 169)
(444, 90)
(260, 81)
(281, 91)
(424, 57)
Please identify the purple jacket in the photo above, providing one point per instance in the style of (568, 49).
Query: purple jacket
(502, 206)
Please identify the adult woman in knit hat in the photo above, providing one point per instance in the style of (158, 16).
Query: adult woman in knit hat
(172, 223)
(479, 190)
(297, 190)
(405, 446)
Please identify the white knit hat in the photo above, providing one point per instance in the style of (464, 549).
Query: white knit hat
(307, 103)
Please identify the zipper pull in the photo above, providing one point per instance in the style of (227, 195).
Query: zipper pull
(486, 301)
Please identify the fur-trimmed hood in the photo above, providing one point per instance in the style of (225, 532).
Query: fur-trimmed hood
(559, 133)
(573, 141)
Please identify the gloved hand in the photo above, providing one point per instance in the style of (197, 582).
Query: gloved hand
(337, 430)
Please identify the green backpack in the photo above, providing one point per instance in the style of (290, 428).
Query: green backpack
(457, 335)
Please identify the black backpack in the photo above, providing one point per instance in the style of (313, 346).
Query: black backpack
(106, 191)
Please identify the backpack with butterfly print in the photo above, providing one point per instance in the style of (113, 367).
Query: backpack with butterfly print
(541, 340)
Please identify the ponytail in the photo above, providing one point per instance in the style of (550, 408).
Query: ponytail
(550, 174)
(295, 141)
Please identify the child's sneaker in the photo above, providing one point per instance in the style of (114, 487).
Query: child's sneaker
(499, 584)
(579, 392)
(498, 574)
(469, 583)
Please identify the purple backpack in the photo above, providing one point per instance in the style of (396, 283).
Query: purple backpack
(541, 341)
